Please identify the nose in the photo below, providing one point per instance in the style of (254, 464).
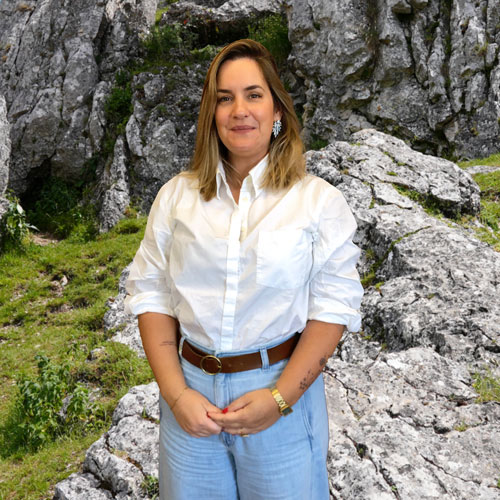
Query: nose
(240, 108)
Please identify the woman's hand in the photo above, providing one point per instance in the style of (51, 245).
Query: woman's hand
(191, 412)
(251, 413)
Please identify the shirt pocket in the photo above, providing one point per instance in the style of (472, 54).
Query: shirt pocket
(284, 258)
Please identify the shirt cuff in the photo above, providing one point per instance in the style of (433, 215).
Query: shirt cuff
(332, 311)
(148, 302)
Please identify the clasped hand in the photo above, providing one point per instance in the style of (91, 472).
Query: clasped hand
(251, 413)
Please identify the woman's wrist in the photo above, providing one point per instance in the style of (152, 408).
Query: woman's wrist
(172, 406)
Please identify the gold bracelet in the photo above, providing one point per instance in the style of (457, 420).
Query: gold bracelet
(178, 397)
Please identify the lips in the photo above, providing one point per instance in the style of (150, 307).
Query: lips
(242, 128)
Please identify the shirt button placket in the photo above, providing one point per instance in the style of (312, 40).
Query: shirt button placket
(232, 271)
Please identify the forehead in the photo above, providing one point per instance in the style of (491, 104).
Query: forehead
(240, 72)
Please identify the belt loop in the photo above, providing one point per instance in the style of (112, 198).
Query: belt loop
(181, 344)
(265, 359)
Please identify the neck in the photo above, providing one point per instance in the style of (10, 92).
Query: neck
(241, 166)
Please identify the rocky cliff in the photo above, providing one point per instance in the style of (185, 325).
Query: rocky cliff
(424, 70)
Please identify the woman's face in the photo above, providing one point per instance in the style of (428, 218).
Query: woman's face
(245, 111)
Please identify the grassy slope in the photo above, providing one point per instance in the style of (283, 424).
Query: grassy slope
(490, 200)
(39, 315)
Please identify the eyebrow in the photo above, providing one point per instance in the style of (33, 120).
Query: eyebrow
(251, 87)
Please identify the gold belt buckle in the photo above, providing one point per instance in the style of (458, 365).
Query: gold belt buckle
(211, 356)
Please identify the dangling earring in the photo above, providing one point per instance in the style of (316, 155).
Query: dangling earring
(276, 128)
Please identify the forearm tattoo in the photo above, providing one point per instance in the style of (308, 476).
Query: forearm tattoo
(306, 381)
(311, 377)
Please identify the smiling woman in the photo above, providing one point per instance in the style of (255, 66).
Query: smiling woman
(243, 285)
(244, 115)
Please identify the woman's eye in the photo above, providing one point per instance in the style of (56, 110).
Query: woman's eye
(224, 98)
(254, 96)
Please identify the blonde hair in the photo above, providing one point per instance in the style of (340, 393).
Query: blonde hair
(286, 164)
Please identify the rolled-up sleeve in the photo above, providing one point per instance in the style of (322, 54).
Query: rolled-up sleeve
(335, 289)
(149, 284)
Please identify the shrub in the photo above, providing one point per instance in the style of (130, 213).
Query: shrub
(47, 407)
(14, 227)
(59, 211)
(487, 387)
(160, 40)
(272, 32)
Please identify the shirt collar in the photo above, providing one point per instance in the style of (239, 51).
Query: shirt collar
(256, 175)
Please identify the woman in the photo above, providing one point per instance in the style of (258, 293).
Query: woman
(240, 254)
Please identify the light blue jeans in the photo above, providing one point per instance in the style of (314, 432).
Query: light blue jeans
(287, 461)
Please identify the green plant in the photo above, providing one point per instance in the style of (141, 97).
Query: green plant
(59, 210)
(487, 386)
(151, 487)
(461, 427)
(115, 368)
(272, 32)
(317, 143)
(118, 106)
(14, 227)
(160, 40)
(48, 406)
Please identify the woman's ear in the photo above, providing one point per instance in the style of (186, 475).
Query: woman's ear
(277, 115)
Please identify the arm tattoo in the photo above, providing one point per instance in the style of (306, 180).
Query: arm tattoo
(306, 381)
(323, 360)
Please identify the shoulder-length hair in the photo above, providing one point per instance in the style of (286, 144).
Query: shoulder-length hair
(286, 164)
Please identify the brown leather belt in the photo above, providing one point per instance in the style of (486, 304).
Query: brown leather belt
(212, 365)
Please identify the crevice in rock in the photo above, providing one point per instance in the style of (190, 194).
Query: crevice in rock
(428, 460)
(363, 451)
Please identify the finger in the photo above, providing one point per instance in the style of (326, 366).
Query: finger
(239, 403)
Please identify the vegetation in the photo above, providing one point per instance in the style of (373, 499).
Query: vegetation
(14, 228)
(487, 386)
(272, 32)
(55, 401)
(59, 210)
(489, 216)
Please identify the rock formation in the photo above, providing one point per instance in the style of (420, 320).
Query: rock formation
(56, 55)
(405, 421)
(425, 70)
(4, 155)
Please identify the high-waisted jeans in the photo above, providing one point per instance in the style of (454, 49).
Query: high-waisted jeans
(287, 461)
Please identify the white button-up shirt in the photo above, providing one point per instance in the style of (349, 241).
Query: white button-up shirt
(242, 276)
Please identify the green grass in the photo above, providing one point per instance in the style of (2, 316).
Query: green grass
(490, 208)
(38, 315)
(487, 387)
(493, 160)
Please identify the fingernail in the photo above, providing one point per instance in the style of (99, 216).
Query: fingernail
(225, 410)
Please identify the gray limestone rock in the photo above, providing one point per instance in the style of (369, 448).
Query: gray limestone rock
(123, 325)
(115, 185)
(4, 146)
(436, 283)
(55, 56)
(428, 70)
(406, 425)
(4, 156)
(117, 465)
